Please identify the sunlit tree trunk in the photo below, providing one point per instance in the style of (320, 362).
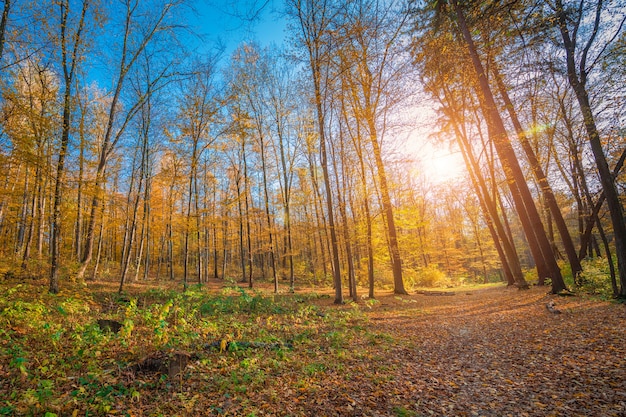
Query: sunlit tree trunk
(320, 219)
(286, 164)
(94, 275)
(78, 226)
(266, 198)
(508, 254)
(242, 248)
(246, 199)
(313, 17)
(342, 188)
(540, 176)
(517, 183)
(358, 146)
(373, 37)
(131, 224)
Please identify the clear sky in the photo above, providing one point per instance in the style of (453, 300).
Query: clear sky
(231, 22)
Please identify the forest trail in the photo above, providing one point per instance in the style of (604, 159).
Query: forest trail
(497, 352)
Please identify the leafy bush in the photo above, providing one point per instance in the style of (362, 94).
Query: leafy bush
(431, 276)
(595, 278)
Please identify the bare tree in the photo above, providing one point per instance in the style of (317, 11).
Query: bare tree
(72, 41)
(142, 23)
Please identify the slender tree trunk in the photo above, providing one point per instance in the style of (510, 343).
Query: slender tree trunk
(146, 226)
(128, 58)
(394, 249)
(241, 230)
(3, 25)
(215, 252)
(78, 226)
(31, 223)
(508, 254)
(68, 78)
(314, 20)
(246, 194)
(287, 175)
(344, 217)
(199, 264)
(322, 229)
(170, 237)
(99, 250)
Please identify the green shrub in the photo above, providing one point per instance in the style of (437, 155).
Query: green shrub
(595, 278)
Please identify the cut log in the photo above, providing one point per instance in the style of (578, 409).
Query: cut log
(444, 293)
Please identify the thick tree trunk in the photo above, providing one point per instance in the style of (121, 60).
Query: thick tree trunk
(540, 176)
(517, 183)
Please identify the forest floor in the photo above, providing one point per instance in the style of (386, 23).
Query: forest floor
(230, 351)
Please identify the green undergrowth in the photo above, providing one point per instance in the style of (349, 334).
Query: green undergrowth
(594, 280)
(56, 360)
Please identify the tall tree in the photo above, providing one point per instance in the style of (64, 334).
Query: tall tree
(314, 18)
(524, 203)
(142, 23)
(199, 106)
(72, 43)
(571, 22)
(376, 64)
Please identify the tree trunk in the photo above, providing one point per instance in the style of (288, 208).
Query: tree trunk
(3, 25)
(577, 80)
(517, 183)
(68, 79)
(545, 187)
(266, 198)
(503, 241)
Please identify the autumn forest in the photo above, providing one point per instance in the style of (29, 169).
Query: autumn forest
(127, 156)
(405, 208)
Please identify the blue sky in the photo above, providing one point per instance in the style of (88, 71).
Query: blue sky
(232, 22)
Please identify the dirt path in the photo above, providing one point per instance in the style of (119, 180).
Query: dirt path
(495, 352)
